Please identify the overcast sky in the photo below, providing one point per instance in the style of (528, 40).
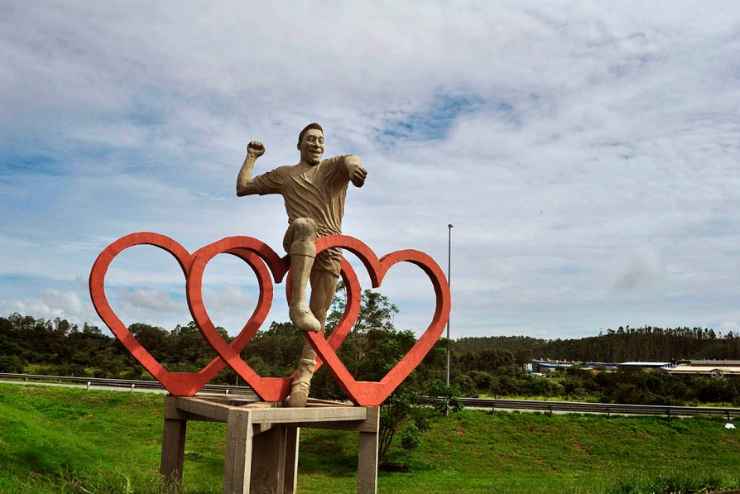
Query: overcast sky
(587, 153)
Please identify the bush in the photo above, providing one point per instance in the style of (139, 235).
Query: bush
(544, 387)
(466, 385)
(410, 437)
(12, 364)
(446, 397)
(482, 379)
(504, 385)
(716, 389)
(421, 420)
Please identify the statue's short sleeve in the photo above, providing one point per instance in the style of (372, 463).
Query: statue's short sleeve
(334, 172)
(270, 182)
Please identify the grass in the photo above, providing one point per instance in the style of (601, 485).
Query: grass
(66, 440)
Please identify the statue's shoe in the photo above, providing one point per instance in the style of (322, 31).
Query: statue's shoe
(303, 318)
(298, 394)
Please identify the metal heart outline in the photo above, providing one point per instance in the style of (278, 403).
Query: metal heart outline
(267, 388)
(178, 383)
(372, 393)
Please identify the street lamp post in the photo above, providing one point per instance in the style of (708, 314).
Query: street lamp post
(449, 284)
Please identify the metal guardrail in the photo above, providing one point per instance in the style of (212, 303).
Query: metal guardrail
(604, 408)
(535, 405)
(90, 382)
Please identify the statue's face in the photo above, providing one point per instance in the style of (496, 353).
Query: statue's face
(312, 146)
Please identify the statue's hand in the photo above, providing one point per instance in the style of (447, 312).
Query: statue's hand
(255, 149)
(357, 174)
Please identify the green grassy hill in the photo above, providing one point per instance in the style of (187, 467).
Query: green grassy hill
(76, 441)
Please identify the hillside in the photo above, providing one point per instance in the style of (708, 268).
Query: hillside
(625, 343)
(75, 441)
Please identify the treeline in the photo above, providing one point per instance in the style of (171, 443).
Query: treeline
(489, 365)
(58, 347)
(647, 343)
(493, 366)
(633, 387)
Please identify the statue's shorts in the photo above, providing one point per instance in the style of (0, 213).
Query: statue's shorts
(327, 260)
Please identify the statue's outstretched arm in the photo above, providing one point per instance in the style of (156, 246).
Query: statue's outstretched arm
(355, 171)
(244, 185)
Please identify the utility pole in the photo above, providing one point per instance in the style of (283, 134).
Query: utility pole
(449, 285)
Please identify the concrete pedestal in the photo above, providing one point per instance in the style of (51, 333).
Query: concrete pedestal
(262, 439)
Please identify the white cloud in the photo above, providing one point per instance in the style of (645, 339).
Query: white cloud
(601, 153)
(643, 271)
(150, 300)
(52, 304)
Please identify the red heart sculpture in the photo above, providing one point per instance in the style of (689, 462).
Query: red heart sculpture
(367, 393)
(181, 383)
(267, 388)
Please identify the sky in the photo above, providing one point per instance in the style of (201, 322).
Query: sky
(586, 153)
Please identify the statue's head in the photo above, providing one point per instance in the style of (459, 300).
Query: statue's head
(311, 143)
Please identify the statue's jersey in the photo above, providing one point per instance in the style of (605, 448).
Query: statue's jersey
(317, 192)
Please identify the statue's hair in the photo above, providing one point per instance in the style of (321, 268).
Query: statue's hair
(312, 125)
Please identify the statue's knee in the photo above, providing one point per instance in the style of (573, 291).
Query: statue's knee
(304, 229)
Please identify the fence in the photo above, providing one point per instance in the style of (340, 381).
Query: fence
(604, 408)
(122, 383)
(534, 405)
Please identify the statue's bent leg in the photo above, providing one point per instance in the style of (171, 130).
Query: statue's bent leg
(323, 287)
(300, 239)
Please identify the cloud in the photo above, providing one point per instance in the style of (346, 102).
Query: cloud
(642, 271)
(52, 304)
(150, 300)
(584, 154)
(229, 297)
(433, 123)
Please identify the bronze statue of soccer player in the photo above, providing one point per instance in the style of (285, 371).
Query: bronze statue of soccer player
(314, 191)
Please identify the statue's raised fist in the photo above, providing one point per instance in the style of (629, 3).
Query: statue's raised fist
(255, 148)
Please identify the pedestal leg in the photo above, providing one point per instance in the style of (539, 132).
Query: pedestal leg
(173, 453)
(274, 460)
(293, 436)
(367, 461)
(238, 457)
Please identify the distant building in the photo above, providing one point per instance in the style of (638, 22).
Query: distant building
(600, 366)
(545, 366)
(707, 368)
(721, 363)
(644, 365)
(698, 367)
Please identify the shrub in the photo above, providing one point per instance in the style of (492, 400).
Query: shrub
(482, 379)
(11, 363)
(410, 437)
(466, 385)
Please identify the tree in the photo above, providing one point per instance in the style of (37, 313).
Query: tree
(393, 415)
(369, 352)
(277, 349)
(376, 314)
(376, 311)
(11, 363)
(153, 338)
